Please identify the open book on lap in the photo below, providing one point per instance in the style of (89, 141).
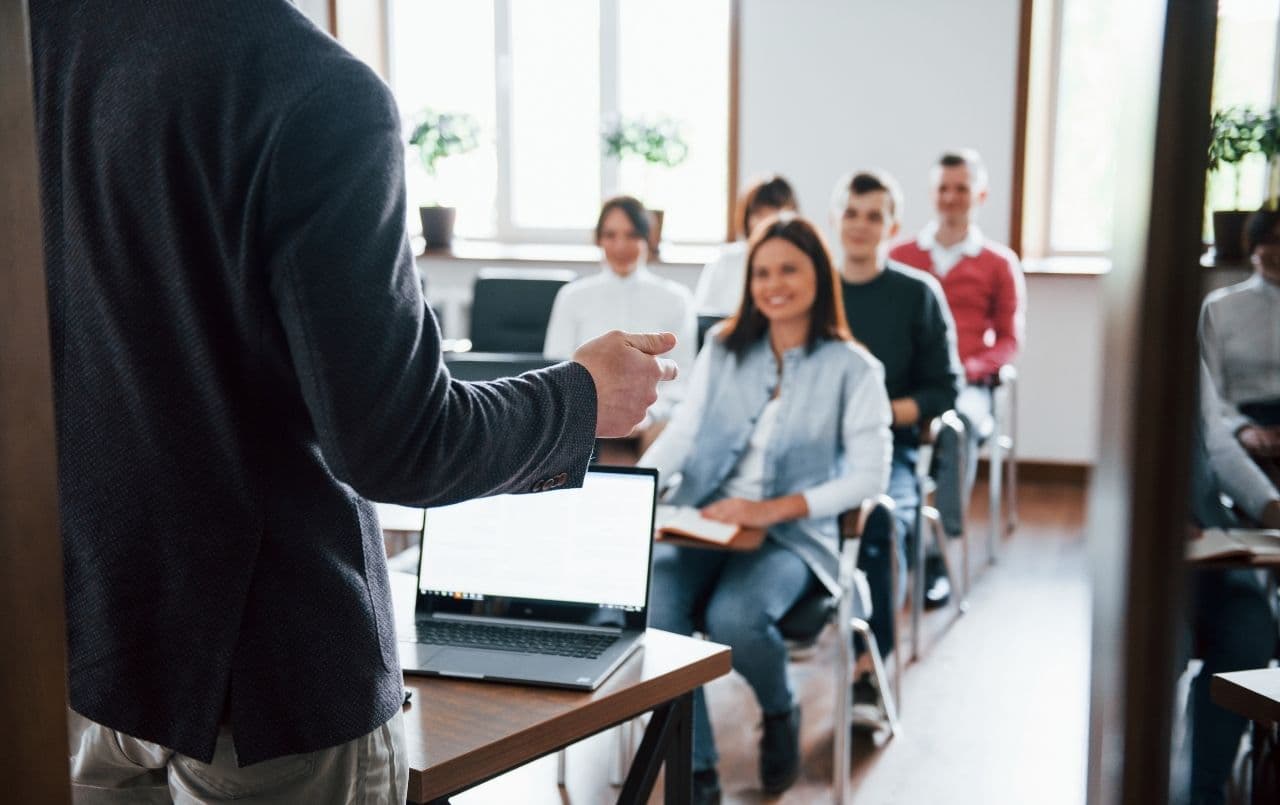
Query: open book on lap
(1247, 544)
(686, 525)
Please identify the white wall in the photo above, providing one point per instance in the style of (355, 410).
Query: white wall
(828, 86)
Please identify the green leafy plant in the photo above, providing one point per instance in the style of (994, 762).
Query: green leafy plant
(659, 142)
(1238, 132)
(1269, 147)
(439, 135)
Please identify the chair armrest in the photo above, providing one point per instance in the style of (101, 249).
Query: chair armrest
(854, 521)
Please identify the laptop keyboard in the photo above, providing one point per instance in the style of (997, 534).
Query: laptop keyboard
(515, 638)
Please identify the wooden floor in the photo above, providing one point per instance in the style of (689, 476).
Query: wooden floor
(995, 712)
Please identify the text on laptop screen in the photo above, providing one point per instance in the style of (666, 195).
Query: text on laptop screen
(587, 545)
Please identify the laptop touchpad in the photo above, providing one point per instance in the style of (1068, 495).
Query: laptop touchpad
(478, 662)
(416, 656)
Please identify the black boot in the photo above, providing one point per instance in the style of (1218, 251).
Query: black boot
(706, 787)
(780, 751)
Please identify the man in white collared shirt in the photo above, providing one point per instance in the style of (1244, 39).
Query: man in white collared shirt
(623, 294)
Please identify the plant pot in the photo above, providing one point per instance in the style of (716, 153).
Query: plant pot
(655, 230)
(1228, 234)
(437, 226)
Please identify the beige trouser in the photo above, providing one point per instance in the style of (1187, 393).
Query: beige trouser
(108, 766)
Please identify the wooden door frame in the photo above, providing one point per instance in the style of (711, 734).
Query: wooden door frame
(33, 687)
(1138, 512)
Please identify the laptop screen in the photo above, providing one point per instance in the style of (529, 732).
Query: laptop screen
(588, 546)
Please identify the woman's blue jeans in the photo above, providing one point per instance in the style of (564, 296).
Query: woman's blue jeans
(736, 599)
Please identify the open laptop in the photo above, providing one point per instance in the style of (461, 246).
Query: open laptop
(547, 589)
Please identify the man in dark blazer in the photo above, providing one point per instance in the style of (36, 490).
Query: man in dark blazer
(242, 357)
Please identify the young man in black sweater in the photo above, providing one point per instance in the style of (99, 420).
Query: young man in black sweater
(900, 314)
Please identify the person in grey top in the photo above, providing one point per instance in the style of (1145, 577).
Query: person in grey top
(1230, 615)
(243, 359)
(1240, 341)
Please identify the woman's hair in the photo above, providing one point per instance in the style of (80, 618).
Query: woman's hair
(826, 318)
(1260, 228)
(769, 192)
(632, 208)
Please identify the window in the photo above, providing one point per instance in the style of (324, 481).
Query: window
(1076, 51)
(542, 78)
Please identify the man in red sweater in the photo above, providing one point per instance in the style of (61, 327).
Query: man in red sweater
(983, 284)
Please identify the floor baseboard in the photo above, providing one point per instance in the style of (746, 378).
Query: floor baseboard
(1045, 472)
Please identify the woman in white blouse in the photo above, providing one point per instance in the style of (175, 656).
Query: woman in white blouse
(624, 295)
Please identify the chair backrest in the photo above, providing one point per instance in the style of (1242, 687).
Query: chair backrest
(706, 323)
(493, 365)
(510, 308)
(804, 622)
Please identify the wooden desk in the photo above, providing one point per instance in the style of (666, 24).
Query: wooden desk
(462, 733)
(1256, 696)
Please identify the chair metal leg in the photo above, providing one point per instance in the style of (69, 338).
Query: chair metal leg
(995, 472)
(561, 766)
(940, 540)
(897, 641)
(877, 667)
(842, 712)
(1012, 484)
(917, 586)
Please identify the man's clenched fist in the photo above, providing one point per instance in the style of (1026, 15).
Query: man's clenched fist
(626, 372)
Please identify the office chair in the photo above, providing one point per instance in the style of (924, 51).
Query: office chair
(1002, 459)
(928, 517)
(802, 625)
(492, 365)
(509, 314)
(510, 308)
(706, 323)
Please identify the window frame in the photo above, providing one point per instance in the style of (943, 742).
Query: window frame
(505, 229)
(1032, 234)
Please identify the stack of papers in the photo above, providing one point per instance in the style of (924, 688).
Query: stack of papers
(1234, 543)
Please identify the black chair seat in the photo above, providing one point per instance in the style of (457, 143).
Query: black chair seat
(809, 616)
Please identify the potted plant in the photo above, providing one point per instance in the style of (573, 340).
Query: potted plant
(436, 136)
(1236, 133)
(657, 144)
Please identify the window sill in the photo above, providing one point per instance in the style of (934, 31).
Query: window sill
(1069, 266)
(488, 251)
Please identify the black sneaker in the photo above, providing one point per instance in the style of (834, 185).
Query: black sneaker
(780, 751)
(937, 587)
(706, 787)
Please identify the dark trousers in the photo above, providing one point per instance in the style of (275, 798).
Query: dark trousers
(874, 558)
(1234, 630)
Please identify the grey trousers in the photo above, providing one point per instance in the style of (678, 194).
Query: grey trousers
(108, 766)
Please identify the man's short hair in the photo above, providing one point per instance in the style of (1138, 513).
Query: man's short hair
(862, 182)
(1260, 228)
(964, 158)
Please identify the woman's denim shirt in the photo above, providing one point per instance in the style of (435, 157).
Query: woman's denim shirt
(830, 441)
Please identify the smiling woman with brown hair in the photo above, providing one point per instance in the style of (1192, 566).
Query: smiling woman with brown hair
(785, 425)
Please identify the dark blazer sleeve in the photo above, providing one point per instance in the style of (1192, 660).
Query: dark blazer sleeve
(937, 372)
(365, 348)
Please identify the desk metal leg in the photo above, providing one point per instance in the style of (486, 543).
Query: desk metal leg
(667, 740)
